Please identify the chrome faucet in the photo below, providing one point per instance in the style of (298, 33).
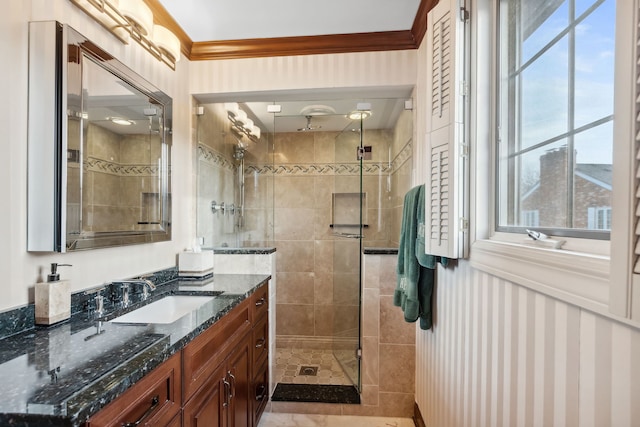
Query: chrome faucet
(147, 286)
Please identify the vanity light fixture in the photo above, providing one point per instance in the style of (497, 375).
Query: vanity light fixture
(133, 19)
(240, 122)
(138, 14)
(248, 125)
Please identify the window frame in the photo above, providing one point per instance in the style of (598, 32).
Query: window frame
(580, 272)
(507, 103)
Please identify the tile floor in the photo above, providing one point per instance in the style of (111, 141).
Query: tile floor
(290, 360)
(302, 420)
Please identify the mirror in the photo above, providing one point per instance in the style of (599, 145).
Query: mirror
(112, 151)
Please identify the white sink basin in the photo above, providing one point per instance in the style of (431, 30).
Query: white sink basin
(165, 310)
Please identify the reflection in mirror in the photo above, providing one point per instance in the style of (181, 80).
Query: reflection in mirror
(121, 159)
(117, 149)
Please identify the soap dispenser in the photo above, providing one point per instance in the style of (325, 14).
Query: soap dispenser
(53, 298)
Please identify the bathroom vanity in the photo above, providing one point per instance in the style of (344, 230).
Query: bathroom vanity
(207, 368)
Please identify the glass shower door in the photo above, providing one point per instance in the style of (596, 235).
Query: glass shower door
(348, 208)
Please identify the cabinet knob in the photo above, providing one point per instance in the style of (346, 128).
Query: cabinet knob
(260, 302)
(260, 343)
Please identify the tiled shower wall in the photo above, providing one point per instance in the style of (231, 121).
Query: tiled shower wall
(308, 170)
(306, 176)
(119, 182)
(218, 181)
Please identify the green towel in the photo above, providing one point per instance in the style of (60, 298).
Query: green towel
(415, 269)
(408, 269)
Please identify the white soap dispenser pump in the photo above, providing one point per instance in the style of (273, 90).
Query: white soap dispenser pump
(53, 298)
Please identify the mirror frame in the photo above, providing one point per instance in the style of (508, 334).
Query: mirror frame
(56, 55)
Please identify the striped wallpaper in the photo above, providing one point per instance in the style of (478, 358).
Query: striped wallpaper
(306, 72)
(503, 355)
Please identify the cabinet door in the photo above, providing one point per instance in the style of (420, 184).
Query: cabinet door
(238, 371)
(208, 350)
(208, 406)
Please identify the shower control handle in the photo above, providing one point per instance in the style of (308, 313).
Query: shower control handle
(224, 209)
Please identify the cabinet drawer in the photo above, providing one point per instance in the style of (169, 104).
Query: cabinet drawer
(260, 302)
(260, 341)
(203, 355)
(155, 400)
(260, 394)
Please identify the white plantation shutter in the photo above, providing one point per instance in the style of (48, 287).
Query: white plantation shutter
(624, 296)
(446, 193)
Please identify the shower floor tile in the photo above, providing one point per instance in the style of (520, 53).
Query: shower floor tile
(290, 360)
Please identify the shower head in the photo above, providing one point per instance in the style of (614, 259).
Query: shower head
(308, 127)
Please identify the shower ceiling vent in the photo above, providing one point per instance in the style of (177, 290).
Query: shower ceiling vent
(317, 110)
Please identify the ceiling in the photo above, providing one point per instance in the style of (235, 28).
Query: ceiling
(207, 20)
(214, 29)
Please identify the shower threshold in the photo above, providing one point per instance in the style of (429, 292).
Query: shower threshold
(316, 393)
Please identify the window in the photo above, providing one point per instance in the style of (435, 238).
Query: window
(599, 218)
(555, 116)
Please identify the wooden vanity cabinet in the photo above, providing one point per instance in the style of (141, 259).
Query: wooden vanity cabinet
(155, 400)
(219, 379)
(222, 365)
(223, 400)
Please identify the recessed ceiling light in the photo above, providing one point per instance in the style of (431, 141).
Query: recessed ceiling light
(122, 122)
(359, 115)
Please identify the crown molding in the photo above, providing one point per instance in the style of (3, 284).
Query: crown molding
(419, 28)
(288, 46)
(306, 45)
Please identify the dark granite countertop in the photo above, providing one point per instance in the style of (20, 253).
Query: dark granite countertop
(63, 374)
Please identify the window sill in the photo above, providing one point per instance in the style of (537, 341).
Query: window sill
(577, 278)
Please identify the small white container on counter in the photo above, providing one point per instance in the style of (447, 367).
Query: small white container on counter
(195, 264)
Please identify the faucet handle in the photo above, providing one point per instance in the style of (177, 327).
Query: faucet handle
(98, 300)
(99, 304)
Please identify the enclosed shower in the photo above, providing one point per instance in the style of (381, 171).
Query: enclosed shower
(320, 185)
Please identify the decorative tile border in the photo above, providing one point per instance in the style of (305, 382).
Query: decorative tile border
(214, 158)
(93, 164)
(318, 169)
(406, 153)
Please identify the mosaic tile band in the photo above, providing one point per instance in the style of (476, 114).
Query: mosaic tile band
(93, 164)
(215, 158)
